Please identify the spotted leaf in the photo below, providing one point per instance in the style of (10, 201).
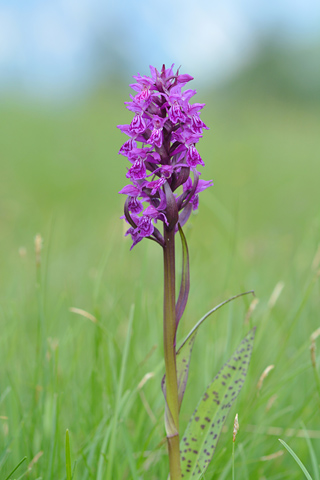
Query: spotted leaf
(200, 439)
(184, 353)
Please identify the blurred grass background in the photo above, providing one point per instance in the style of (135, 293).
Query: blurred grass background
(257, 227)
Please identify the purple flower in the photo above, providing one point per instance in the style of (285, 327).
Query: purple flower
(156, 137)
(131, 190)
(152, 212)
(135, 236)
(127, 147)
(134, 205)
(137, 171)
(145, 226)
(197, 124)
(175, 112)
(193, 157)
(137, 125)
(162, 145)
(144, 97)
(184, 78)
(137, 153)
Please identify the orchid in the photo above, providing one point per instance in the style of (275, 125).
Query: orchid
(164, 188)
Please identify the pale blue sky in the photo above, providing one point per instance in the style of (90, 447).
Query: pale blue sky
(50, 46)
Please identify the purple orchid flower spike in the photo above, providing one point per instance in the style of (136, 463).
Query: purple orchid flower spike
(168, 127)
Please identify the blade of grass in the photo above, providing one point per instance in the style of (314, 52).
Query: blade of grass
(113, 431)
(314, 460)
(68, 456)
(74, 470)
(16, 468)
(4, 394)
(4, 457)
(54, 439)
(297, 459)
(129, 450)
(88, 452)
(295, 317)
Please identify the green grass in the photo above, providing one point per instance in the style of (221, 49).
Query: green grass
(259, 225)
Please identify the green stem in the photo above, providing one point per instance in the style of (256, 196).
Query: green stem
(232, 460)
(169, 334)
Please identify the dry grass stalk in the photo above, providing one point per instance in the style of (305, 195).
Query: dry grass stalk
(38, 243)
(272, 456)
(264, 374)
(275, 294)
(313, 338)
(35, 459)
(313, 354)
(271, 402)
(145, 379)
(251, 309)
(149, 354)
(147, 407)
(22, 252)
(83, 313)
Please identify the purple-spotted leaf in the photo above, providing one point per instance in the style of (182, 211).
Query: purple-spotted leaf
(184, 352)
(199, 441)
(185, 279)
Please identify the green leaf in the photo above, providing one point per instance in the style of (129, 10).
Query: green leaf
(185, 278)
(68, 457)
(199, 441)
(184, 352)
(297, 459)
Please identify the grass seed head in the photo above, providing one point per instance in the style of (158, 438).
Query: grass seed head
(275, 294)
(313, 338)
(264, 374)
(271, 402)
(251, 309)
(272, 456)
(38, 243)
(235, 427)
(22, 252)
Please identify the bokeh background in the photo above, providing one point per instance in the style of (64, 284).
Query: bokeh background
(65, 69)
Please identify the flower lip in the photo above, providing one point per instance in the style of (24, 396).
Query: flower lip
(193, 157)
(138, 125)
